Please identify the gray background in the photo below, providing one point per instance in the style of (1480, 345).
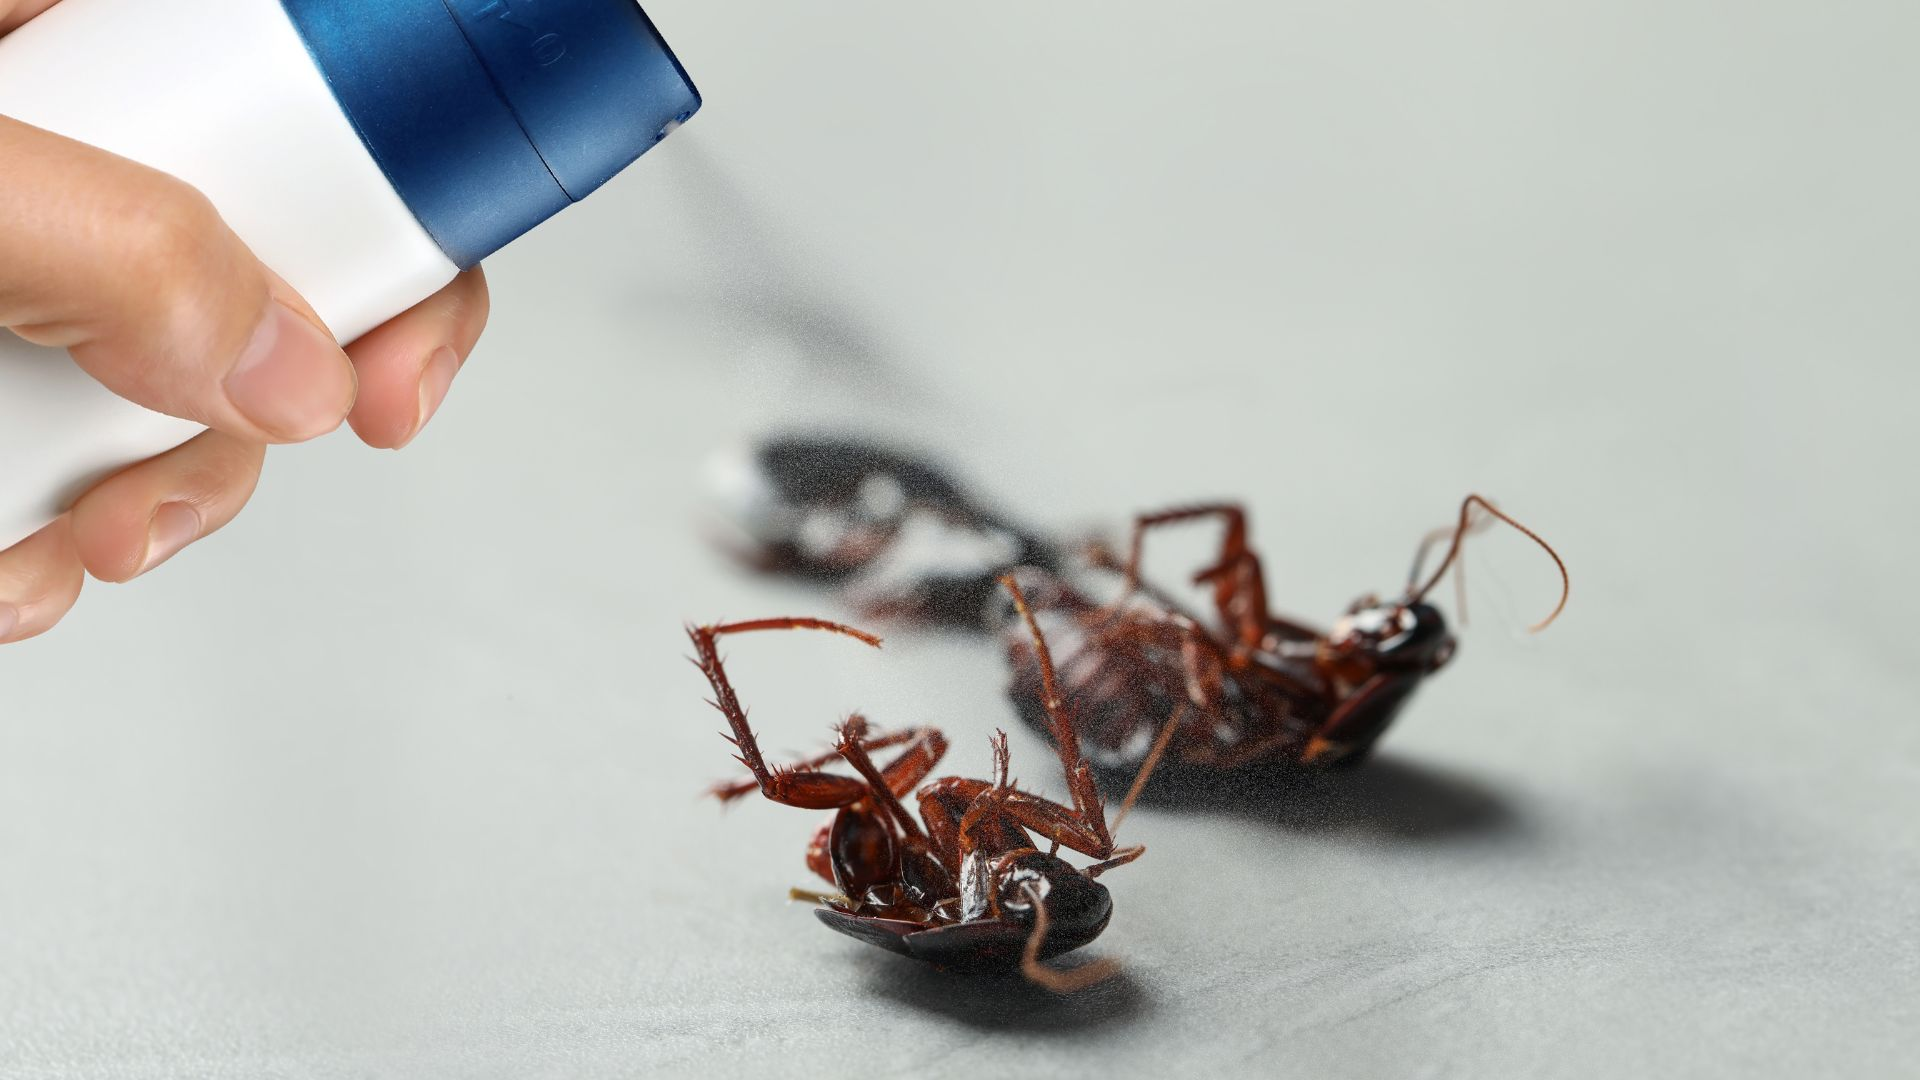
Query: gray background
(399, 777)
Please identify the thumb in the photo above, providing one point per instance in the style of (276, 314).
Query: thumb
(135, 273)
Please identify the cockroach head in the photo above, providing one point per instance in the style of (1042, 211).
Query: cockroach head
(1077, 905)
(1397, 634)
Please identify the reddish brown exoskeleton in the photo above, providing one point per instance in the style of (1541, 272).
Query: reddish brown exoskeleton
(964, 886)
(1255, 687)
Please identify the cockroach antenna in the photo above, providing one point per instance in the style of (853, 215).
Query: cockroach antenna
(1460, 532)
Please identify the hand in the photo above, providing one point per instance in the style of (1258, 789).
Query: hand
(135, 274)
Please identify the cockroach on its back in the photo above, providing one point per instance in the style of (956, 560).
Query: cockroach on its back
(906, 541)
(896, 533)
(964, 886)
(1254, 688)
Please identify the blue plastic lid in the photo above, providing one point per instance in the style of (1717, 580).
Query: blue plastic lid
(490, 116)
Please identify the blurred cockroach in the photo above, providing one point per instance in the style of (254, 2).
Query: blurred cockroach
(895, 532)
(1253, 687)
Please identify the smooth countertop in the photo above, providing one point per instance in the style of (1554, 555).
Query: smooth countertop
(400, 776)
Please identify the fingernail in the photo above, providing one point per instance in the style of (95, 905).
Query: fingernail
(292, 380)
(435, 381)
(9, 620)
(174, 526)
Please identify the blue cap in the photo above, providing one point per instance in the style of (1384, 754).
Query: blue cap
(490, 116)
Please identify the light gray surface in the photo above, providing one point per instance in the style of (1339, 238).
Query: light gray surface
(399, 777)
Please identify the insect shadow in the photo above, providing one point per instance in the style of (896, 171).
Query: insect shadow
(1389, 799)
(1007, 1002)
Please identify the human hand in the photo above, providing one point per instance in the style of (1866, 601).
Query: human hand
(136, 275)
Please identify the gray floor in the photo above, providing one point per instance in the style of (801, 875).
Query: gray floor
(399, 777)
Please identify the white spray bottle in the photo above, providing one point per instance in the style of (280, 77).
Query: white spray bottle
(367, 150)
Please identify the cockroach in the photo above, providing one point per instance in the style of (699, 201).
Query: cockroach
(1251, 687)
(902, 539)
(964, 887)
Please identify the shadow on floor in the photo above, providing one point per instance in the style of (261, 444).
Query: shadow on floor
(1007, 1002)
(1385, 798)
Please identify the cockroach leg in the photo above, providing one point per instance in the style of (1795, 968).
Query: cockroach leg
(1088, 817)
(1038, 815)
(945, 888)
(1121, 857)
(1002, 760)
(923, 754)
(1238, 581)
(856, 755)
(1260, 686)
(933, 741)
(804, 788)
(1154, 755)
(1345, 728)
(1232, 544)
(944, 805)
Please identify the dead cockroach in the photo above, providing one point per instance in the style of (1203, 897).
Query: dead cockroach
(1254, 687)
(963, 887)
(896, 533)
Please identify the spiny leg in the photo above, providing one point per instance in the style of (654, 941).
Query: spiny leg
(1003, 805)
(1121, 857)
(1125, 855)
(1239, 583)
(1002, 758)
(804, 788)
(1240, 594)
(944, 805)
(729, 790)
(998, 813)
(903, 774)
(1086, 823)
(1246, 611)
(1038, 815)
(916, 762)
(912, 767)
(1232, 543)
(924, 877)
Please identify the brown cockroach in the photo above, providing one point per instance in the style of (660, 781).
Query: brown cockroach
(965, 885)
(1252, 687)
